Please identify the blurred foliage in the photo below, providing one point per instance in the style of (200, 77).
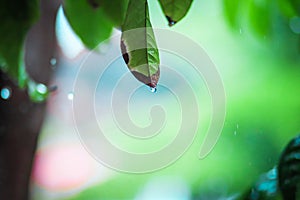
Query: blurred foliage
(89, 21)
(282, 181)
(275, 21)
(289, 170)
(175, 10)
(266, 188)
(16, 19)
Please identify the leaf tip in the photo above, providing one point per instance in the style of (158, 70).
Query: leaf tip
(151, 80)
(171, 21)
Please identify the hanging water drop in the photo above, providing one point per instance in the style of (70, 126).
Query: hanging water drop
(5, 93)
(171, 21)
(70, 95)
(53, 61)
(41, 88)
(37, 92)
(153, 89)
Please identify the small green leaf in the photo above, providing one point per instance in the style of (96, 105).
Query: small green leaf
(175, 10)
(138, 43)
(89, 21)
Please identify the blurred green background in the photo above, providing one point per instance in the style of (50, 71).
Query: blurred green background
(255, 47)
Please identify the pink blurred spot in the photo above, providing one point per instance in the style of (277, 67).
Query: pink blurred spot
(62, 168)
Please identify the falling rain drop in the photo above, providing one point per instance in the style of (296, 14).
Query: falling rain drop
(5, 93)
(70, 95)
(241, 31)
(153, 89)
(53, 61)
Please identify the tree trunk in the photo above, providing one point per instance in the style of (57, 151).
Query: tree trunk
(21, 120)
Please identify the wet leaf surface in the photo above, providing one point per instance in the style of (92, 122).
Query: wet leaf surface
(138, 44)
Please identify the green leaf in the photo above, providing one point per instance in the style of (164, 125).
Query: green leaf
(138, 43)
(16, 19)
(175, 10)
(115, 10)
(89, 21)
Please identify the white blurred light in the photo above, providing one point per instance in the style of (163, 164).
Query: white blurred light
(68, 41)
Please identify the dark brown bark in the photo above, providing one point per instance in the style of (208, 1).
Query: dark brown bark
(20, 119)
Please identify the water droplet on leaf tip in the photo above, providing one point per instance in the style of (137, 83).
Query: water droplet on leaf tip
(53, 61)
(70, 95)
(171, 21)
(5, 93)
(153, 89)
